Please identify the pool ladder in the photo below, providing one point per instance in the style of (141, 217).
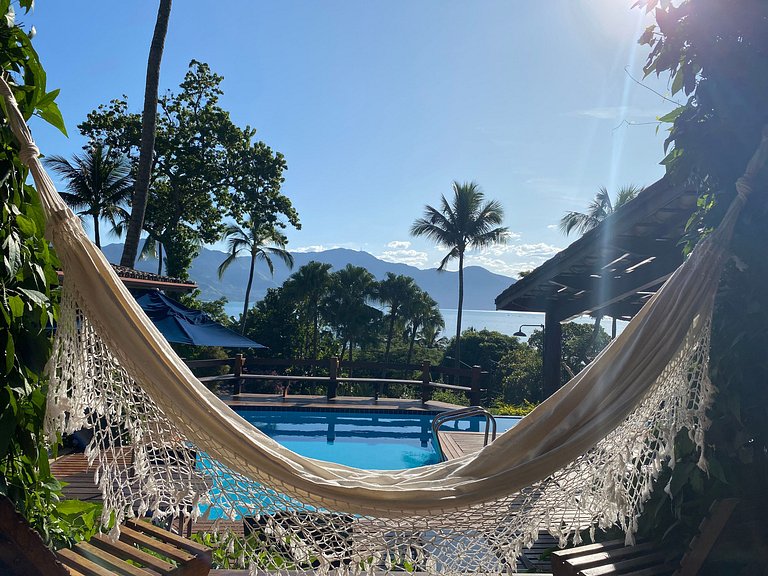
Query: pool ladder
(460, 414)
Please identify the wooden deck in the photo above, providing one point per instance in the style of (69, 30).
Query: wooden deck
(457, 444)
(350, 403)
(73, 469)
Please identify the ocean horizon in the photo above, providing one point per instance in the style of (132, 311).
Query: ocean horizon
(496, 320)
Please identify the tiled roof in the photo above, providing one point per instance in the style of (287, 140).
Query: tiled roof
(139, 278)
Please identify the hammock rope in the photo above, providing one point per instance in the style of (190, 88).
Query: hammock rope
(587, 457)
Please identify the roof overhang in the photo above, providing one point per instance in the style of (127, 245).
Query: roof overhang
(614, 268)
(140, 280)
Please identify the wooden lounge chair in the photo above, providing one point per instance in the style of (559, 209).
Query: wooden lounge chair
(142, 550)
(645, 558)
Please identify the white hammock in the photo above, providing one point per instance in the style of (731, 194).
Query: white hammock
(586, 457)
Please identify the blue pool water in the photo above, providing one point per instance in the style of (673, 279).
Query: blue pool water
(374, 441)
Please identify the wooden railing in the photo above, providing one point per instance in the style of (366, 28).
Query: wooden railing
(243, 370)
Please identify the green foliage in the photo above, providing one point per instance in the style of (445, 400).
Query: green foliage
(205, 167)
(318, 314)
(522, 409)
(519, 371)
(347, 308)
(598, 210)
(308, 287)
(468, 221)
(275, 325)
(581, 344)
(715, 54)
(254, 239)
(98, 185)
(28, 282)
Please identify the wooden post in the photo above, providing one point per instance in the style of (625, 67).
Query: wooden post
(426, 378)
(238, 371)
(474, 394)
(551, 357)
(333, 374)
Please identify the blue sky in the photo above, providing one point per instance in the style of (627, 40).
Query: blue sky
(379, 106)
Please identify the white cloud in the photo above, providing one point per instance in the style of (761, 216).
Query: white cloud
(553, 226)
(399, 244)
(410, 257)
(315, 248)
(539, 249)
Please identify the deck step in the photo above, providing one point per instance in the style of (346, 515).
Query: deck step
(142, 550)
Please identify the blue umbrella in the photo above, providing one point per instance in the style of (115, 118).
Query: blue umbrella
(187, 326)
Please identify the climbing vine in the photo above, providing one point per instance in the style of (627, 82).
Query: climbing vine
(28, 289)
(715, 53)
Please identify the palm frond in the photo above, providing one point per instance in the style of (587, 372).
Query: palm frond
(231, 257)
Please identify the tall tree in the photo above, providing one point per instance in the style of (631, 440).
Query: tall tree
(148, 127)
(98, 183)
(598, 210)
(347, 307)
(255, 240)
(204, 167)
(467, 222)
(422, 313)
(395, 291)
(309, 286)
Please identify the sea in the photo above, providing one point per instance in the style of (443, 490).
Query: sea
(497, 320)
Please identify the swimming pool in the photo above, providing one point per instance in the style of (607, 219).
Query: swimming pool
(370, 440)
(364, 439)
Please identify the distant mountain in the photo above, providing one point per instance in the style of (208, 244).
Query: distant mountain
(480, 286)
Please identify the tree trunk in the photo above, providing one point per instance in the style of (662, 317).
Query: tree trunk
(148, 126)
(391, 332)
(96, 235)
(159, 258)
(315, 330)
(247, 294)
(461, 305)
(414, 329)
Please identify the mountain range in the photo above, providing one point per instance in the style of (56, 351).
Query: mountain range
(480, 286)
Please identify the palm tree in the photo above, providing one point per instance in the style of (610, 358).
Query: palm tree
(254, 240)
(309, 284)
(346, 306)
(148, 126)
(97, 184)
(598, 210)
(465, 223)
(395, 291)
(422, 313)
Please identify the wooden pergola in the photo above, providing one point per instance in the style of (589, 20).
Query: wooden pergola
(611, 270)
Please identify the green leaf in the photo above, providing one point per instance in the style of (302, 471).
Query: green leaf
(48, 99)
(52, 115)
(672, 116)
(26, 225)
(678, 81)
(16, 306)
(37, 297)
(73, 507)
(13, 255)
(680, 477)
